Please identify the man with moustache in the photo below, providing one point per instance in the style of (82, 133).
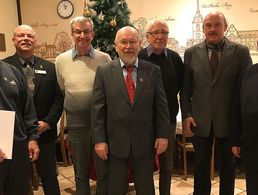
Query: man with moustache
(171, 67)
(130, 116)
(209, 101)
(48, 100)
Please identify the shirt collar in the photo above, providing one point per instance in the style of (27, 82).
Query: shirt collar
(217, 47)
(150, 51)
(75, 52)
(136, 64)
(31, 60)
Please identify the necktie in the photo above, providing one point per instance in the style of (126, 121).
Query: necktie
(129, 82)
(30, 76)
(214, 61)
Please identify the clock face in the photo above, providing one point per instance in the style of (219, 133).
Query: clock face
(65, 8)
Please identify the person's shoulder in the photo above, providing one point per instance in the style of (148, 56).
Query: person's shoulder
(43, 61)
(143, 51)
(64, 54)
(147, 64)
(6, 67)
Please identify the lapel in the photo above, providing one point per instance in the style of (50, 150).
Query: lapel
(118, 75)
(226, 54)
(203, 57)
(141, 78)
(38, 77)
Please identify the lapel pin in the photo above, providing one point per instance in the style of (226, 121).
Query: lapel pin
(5, 78)
(41, 66)
(141, 80)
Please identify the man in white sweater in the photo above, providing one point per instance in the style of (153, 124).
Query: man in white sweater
(75, 71)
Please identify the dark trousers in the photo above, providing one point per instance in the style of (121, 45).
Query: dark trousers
(15, 173)
(166, 164)
(142, 170)
(101, 173)
(46, 167)
(251, 181)
(203, 150)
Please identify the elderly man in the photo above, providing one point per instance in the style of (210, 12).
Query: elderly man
(75, 73)
(48, 100)
(129, 116)
(171, 67)
(15, 96)
(209, 100)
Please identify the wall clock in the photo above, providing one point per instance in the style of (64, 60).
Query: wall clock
(65, 8)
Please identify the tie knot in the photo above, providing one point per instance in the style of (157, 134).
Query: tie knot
(129, 68)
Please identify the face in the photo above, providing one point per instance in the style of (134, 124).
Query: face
(214, 27)
(128, 45)
(24, 39)
(82, 34)
(157, 36)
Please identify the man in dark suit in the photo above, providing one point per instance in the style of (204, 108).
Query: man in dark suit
(171, 67)
(128, 124)
(209, 100)
(245, 140)
(48, 101)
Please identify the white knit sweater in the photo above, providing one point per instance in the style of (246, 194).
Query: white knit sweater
(75, 78)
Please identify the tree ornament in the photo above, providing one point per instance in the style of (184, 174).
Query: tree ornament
(87, 13)
(113, 23)
(122, 2)
(101, 16)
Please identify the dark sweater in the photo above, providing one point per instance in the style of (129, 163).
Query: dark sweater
(172, 76)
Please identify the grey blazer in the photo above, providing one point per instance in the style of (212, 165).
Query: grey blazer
(125, 127)
(213, 101)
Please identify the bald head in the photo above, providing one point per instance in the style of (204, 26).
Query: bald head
(214, 27)
(128, 44)
(24, 39)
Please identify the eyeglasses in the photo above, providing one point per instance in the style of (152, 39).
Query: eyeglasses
(157, 32)
(28, 35)
(124, 43)
(79, 32)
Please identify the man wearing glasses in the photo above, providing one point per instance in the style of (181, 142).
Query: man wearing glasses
(75, 73)
(171, 67)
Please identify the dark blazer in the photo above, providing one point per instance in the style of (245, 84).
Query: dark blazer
(48, 99)
(213, 101)
(123, 126)
(247, 137)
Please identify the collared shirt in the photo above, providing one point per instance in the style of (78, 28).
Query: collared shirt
(134, 73)
(75, 52)
(218, 48)
(150, 51)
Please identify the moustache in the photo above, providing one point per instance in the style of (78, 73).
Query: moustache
(213, 33)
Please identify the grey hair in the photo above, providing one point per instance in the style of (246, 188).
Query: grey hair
(81, 19)
(155, 21)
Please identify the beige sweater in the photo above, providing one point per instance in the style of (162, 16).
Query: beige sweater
(76, 78)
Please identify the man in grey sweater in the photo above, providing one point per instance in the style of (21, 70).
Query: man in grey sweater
(75, 73)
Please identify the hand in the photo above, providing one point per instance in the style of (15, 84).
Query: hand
(236, 151)
(102, 150)
(161, 145)
(33, 150)
(186, 126)
(2, 156)
(43, 126)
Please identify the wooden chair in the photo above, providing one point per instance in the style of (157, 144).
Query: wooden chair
(66, 155)
(186, 145)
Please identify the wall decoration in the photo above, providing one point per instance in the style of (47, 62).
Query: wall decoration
(2, 42)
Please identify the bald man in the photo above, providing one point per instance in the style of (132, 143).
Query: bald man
(129, 125)
(209, 101)
(48, 100)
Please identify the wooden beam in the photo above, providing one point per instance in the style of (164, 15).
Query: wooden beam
(19, 11)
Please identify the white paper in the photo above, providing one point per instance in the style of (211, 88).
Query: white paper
(6, 132)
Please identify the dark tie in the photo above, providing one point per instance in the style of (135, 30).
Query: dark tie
(129, 82)
(214, 61)
(29, 73)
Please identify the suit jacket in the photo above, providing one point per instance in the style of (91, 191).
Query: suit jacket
(213, 102)
(125, 127)
(248, 135)
(48, 99)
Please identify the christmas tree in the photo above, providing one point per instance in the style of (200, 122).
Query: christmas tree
(108, 17)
